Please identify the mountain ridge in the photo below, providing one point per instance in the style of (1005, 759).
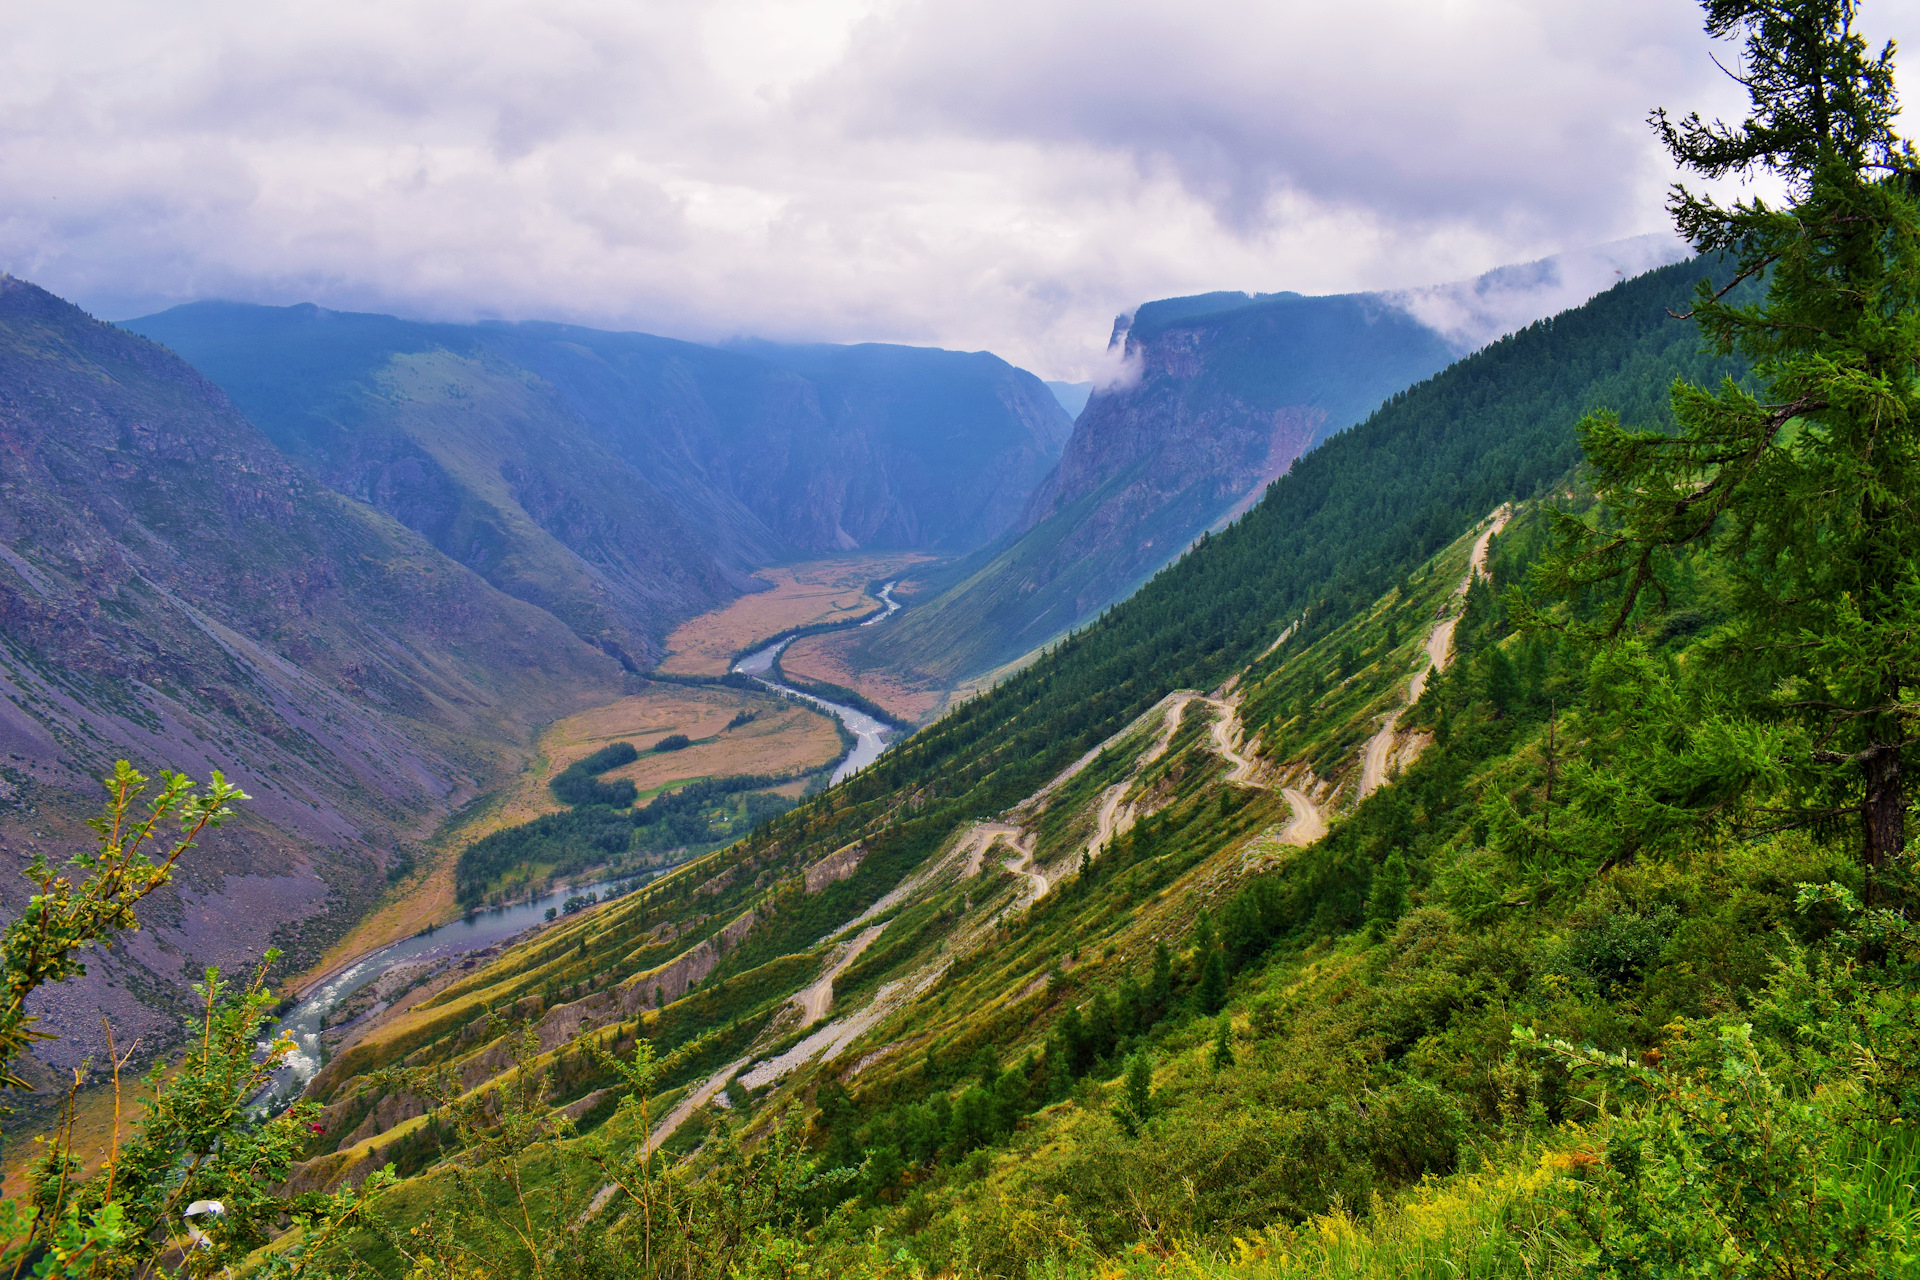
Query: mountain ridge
(741, 456)
(175, 591)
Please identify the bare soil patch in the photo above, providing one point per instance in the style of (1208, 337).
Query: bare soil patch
(803, 594)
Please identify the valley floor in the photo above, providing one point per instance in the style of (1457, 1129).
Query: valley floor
(804, 594)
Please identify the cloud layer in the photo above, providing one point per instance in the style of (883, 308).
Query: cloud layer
(1005, 174)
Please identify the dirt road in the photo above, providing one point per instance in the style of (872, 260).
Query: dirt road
(815, 1000)
(980, 837)
(1226, 729)
(1308, 823)
(1373, 769)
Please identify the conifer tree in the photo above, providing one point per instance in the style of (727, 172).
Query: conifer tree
(1223, 1044)
(1160, 989)
(1799, 711)
(1135, 1107)
(1388, 900)
(1211, 994)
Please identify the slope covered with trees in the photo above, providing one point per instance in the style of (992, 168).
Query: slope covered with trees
(1368, 504)
(1612, 975)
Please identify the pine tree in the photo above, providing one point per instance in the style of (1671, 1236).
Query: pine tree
(1798, 711)
(1223, 1044)
(1503, 682)
(1388, 900)
(1203, 936)
(1135, 1107)
(1211, 995)
(1160, 989)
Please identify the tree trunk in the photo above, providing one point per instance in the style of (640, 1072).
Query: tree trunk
(1885, 810)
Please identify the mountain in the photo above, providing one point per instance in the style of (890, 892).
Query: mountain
(624, 481)
(1073, 396)
(175, 591)
(934, 449)
(1238, 920)
(1212, 398)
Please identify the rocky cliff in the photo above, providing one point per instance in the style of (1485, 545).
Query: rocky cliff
(1215, 397)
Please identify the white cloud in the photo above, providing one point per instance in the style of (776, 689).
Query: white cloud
(1005, 174)
(1472, 313)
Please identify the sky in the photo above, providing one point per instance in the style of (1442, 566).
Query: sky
(980, 174)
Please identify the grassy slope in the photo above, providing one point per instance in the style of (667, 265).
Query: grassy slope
(1371, 1020)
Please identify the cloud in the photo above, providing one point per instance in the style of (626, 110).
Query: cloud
(1472, 313)
(986, 174)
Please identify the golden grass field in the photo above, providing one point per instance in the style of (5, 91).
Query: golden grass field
(783, 737)
(826, 657)
(803, 594)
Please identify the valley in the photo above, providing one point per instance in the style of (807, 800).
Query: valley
(1242, 801)
(781, 739)
(1404, 784)
(813, 593)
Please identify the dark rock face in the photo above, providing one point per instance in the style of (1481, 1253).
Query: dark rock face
(174, 590)
(1216, 402)
(1218, 396)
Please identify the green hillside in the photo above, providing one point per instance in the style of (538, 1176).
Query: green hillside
(753, 454)
(1484, 859)
(1358, 511)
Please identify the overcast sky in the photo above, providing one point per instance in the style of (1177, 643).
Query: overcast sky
(999, 174)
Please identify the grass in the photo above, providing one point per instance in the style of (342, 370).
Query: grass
(803, 594)
(832, 658)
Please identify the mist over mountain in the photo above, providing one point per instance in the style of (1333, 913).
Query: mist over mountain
(1072, 396)
(1472, 313)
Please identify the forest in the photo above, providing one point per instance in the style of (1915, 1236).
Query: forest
(605, 827)
(1614, 975)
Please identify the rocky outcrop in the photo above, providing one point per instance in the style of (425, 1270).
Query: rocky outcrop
(385, 1114)
(1211, 400)
(659, 987)
(835, 867)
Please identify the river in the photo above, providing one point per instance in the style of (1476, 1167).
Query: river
(485, 928)
(471, 933)
(872, 734)
(886, 598)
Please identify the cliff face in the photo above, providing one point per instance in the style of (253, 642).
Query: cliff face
(712, 460)
(1216, 397)
(174, 590)
(918, 448)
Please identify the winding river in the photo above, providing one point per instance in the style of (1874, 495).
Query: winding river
(872, 734)
(482, 929)
(485, 928)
